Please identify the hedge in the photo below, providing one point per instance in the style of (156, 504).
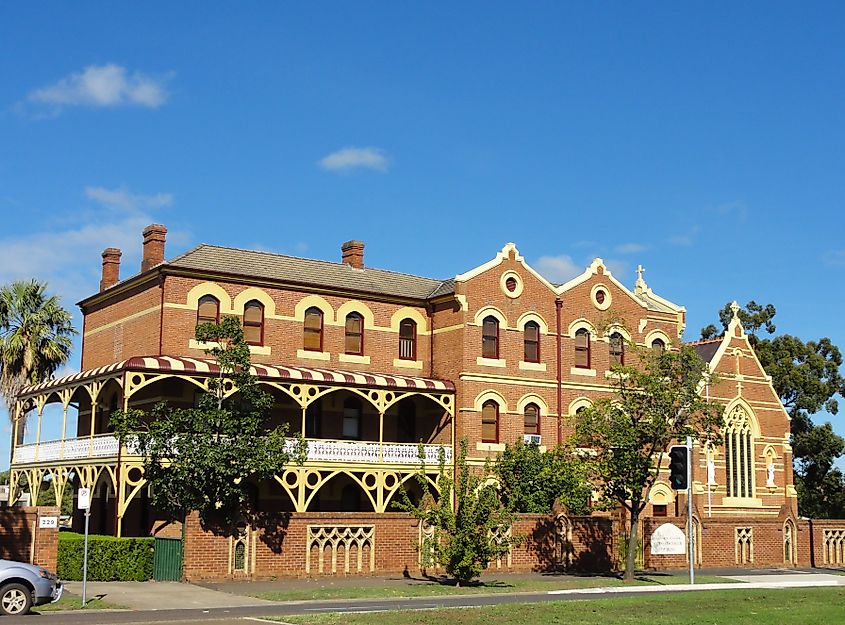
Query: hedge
(110, 559)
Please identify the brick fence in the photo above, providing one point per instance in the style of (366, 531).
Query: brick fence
(21, 539)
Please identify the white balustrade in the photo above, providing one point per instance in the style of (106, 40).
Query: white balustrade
(106, 446)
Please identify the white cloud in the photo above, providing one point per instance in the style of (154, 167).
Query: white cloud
(350, 158)
(685, 239)
(558, 269)
(123, 199)
(103, 86)
(631, 248)
(69, 258)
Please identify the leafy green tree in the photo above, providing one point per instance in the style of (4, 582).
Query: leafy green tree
(203, 458)
(806, 377)
(464, 539)
(531, 480)
(47, 497)
(754, 317)
(656, 403)
(35, 339)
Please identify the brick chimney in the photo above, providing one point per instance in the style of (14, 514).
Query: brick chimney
(111, 268)
(154, 236)
(353, 254)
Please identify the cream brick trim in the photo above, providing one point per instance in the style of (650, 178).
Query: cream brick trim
(742, 502)
(578, 324)
(498, 260)
(260, 350)
(359, 307)
(489, 394)
(608, 296)
(532, 316)
(210, 288)
(316, 301)
(490, 311)
(457, 326)
(311, 355)
(356, 358)
(532, 366)
(253, 293)
(399, 363)
(490, 447)
(532, 398)
(578, 403)
(657, 334)
(406, 312)
(491, 362)
(589, 373)
(520, 285)
(112, 324)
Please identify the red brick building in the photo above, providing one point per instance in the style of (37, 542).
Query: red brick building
(367, 363)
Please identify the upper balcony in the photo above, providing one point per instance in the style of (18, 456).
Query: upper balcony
(347, 418)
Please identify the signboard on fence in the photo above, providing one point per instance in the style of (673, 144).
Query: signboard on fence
(668, 540)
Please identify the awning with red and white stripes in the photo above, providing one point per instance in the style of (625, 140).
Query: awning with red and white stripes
(203, 367)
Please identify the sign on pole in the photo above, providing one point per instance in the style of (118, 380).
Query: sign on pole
(83, 498)
(83, 502)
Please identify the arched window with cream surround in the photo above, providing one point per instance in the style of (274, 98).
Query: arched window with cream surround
(617, 349)
(739, 453)
(658, 345)
(354, 342)
(582, 348)
(254, 322)
(408, 339)
(312, 339)
(490, 422)
(531, 416)
(208, 310)
(532, 342)
(490, 337)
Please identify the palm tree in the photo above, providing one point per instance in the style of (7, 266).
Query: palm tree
(35, 339)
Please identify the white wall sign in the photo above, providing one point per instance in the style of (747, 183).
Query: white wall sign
(668, 540)
(50, 522)
(83, 498)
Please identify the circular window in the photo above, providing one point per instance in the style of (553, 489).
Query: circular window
(601, 297)
(511, 284)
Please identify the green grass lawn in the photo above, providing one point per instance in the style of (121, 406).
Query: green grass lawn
(74, 602)
(433, 589)
(810, 606)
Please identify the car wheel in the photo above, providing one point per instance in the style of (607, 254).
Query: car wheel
(15, 599)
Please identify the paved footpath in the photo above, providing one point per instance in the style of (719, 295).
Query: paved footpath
(161, 599)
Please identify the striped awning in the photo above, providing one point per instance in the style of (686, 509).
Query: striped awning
(203, 367)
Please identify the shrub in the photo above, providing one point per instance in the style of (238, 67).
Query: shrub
(110, 559)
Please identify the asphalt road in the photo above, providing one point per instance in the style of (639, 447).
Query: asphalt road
(232, 616)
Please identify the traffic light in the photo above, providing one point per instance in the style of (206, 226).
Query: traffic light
(678, 460)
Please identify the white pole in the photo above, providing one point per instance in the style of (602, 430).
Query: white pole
(691, 537)
(85, 557)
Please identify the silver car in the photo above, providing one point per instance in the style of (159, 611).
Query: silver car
(25, 585)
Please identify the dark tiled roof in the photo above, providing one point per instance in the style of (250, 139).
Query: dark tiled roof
(706, 348)
(447, 287)
(309, 272)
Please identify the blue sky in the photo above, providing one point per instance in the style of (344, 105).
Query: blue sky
(703, 141)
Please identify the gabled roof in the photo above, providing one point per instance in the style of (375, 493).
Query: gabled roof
(707, 348)
(306, 271)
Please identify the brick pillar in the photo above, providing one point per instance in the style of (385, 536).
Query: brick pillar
(154, 238)
(111, 268)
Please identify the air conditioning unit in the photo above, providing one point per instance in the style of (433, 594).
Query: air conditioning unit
(532, 439)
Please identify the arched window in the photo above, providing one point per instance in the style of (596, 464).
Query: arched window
(617, 349)
(208, 310)
(313, 330)
(532, 342)
(490, 338)
(490, 422)
(352, 419)
(658, 345)
(532, 419)
(254, 322)
(408, 339)
(582, 348)
(354, 343)
(739, 454)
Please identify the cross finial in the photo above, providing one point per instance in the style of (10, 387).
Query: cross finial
(735, 309)
(640, 272)
(640, 287)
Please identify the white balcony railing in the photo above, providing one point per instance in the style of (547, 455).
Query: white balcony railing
(106, 446)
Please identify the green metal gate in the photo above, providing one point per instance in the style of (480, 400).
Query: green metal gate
(167, 560)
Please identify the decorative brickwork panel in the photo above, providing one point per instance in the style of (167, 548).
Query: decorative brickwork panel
(744, 545)
(352, 541)
(834, 546)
